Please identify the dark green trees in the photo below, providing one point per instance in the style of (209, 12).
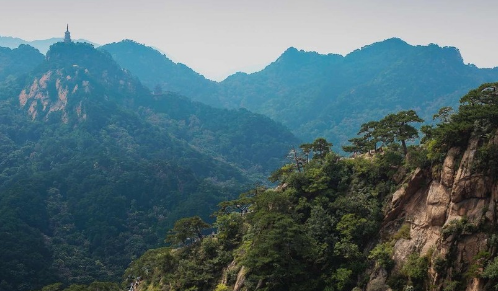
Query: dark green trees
(390, 129)
(187, 228)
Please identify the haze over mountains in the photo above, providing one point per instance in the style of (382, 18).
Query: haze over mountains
(42, 45)
(103, 149)
(95, 168)
(323, 95)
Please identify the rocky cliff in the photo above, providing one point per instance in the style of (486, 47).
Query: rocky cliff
(451, 211)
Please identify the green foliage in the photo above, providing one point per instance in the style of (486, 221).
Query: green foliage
(403, 232)
(90, 184)
(477, 265)
(487, 160)
(415, 268)
(342, 277)
(477, 115)
(491, 270)
(230, 228)
(417, 158)
(382, 254)
(391, 128)
(17, 62)
(222, 287)
(189, 228)
(52, 287)
(444, 114)
(310, 233)
(457, 227)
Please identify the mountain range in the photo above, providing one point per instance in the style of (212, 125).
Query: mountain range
(323, 95)
(103, 149)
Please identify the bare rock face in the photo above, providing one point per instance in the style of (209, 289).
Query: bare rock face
(241, 278)
(50, 94)
(449, 167)
(437, 203)
(444, 215)
(378, 280)
(467, 184)
(403, 195)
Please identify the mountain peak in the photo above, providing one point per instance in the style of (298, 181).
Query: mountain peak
(387, 45)
(71, 76)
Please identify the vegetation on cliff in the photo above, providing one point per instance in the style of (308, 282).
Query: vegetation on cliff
(317, 230)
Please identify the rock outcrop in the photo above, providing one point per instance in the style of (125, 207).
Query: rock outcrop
(448, 211)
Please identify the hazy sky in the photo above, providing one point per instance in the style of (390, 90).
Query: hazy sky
(220, 37)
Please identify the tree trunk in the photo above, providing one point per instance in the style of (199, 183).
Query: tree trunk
(405, 150)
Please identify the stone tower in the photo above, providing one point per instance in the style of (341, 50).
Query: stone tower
(67, 36)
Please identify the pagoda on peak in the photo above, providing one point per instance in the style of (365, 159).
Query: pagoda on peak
(67, 36)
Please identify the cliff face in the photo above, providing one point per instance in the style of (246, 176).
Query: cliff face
(450, 212)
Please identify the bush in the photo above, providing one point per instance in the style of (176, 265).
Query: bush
(403, 232)
(416, 267)
(222, 287)
(382, 254)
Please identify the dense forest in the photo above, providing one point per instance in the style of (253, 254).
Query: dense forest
(94, 168)
(327, 224)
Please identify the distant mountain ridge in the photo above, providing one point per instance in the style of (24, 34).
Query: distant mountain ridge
(329, 95)
(158, 72)
(43, 45)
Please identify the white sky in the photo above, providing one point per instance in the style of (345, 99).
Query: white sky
(219, 37)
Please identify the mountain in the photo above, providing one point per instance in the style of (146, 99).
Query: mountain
(42, 45)
(330, 95)
(158, 72)
(17, 62)
(326, 95)
(378, 221)
(94, 169)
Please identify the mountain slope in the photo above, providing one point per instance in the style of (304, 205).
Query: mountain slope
(18, 61)
(95, 169)
(379, 221)
(324, 95)
(329, 95)
(156, 71)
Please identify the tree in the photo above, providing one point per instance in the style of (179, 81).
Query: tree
(318, 149)
(370, 132)
(186, 228)
(444, 114)
(391, 128)
(396, 127)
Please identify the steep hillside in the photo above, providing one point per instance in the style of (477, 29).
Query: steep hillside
(449, 210)
(94, 169)
(379, 221)
(159, 73)
(18, 61)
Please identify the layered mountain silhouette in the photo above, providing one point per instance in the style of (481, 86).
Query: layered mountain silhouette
(42, 44)
(158, 72)
(330, 95)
